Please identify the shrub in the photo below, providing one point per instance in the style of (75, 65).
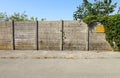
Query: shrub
(112, 28)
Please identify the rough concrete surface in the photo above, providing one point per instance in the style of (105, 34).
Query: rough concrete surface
(33, 54)
(59, 68)
(59, 64)
(51, 35)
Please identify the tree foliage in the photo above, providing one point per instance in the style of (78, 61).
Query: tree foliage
(19, 17)
(118, 11)
(16, 17)
(98, 8)
(3, 17)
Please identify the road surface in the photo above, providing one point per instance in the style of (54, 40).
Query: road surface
(59, 68)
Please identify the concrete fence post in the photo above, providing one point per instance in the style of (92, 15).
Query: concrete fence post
(13, 34)
(62, 36)
(87, 39)
(37, 39)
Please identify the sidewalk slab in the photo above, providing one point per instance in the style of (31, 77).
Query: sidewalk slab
(34, 54)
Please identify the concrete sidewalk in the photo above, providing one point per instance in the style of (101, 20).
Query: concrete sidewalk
(33, 54)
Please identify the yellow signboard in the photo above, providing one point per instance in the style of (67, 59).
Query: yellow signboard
(99, 29)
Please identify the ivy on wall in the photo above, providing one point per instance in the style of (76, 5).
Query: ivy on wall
(112, 28)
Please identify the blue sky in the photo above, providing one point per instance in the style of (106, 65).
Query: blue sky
(49, 9)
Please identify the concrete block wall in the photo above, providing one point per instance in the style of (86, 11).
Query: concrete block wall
(75, 35)
(50, 36)
(97, 41)
(25, 35)
(5, 36)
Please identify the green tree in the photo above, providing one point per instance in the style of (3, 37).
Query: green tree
(32, 19)
(16, 17)
(43, 19)
(3, 16)
(19, 17)
(118, 11)
(98, 8)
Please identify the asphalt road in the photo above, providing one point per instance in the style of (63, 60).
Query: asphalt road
(59, 68)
